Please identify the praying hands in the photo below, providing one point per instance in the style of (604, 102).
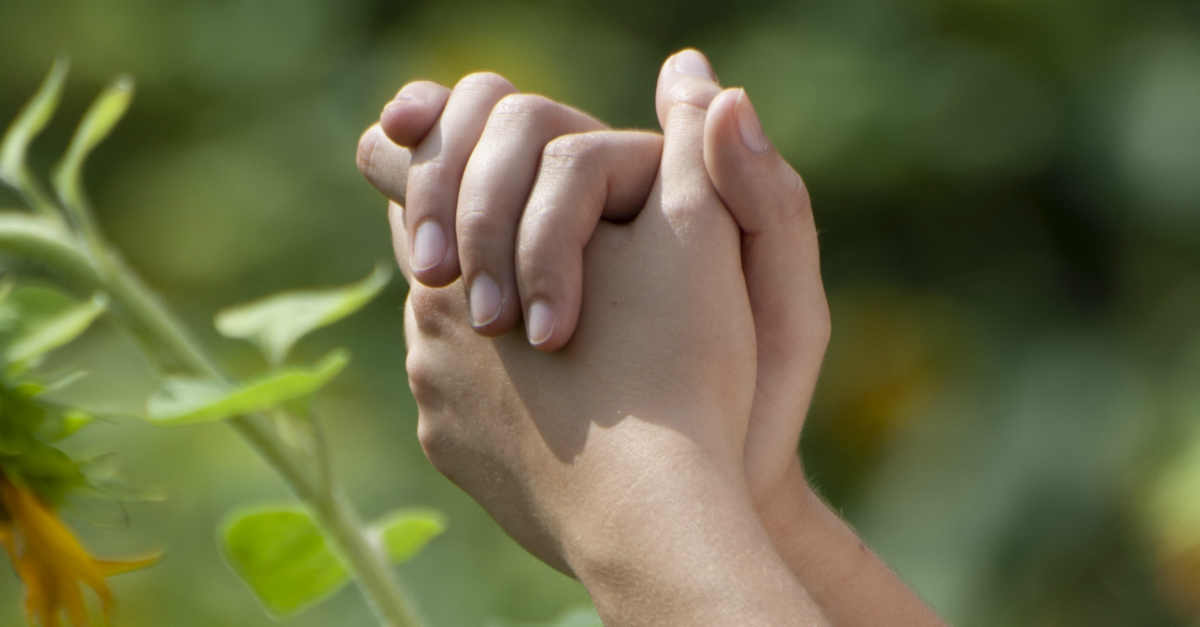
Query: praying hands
(613, 340)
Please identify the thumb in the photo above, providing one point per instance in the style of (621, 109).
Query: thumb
(783, 277)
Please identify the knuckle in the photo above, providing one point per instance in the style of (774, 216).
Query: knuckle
(539, 274)
(422, 381)
(432, 310)
(478, 222)
(523, 109)
(428, 303)
(485, 80)
(485, 231)
(695, 93)
(430, 175)
(546, 249)
(577, 150)
(435, 442)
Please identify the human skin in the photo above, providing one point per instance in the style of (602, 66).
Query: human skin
(779, 257)
(641, 494)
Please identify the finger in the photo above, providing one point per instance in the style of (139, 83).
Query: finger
(399, 239)
(686, 86)
(495, 187)
(583, 178)
(383, 163)
(408, 118)
(783, 277)
(436, 173)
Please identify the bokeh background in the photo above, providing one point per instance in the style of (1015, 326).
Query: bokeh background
(1009, 200)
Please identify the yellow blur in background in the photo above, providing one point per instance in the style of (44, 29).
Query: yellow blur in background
(1009, 203)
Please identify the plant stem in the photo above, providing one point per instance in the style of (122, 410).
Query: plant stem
(373, 573)
(95, 264)
(88, 260)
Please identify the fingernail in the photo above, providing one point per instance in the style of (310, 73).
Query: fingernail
(485, 300)
(429, 246)
(693, 63)
(748, 124)
(540, 323)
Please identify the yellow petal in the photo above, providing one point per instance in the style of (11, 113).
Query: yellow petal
(72, 597)
(108, 568)
(52, 563)
(41, 599)
(9, 542)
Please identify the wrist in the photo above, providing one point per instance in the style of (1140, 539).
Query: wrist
(788, 512)
(851, 584)
(813, 541)
(683, 545)
(633, 517)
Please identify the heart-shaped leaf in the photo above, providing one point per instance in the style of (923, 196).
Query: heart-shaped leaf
(281, 554)
(403, 533)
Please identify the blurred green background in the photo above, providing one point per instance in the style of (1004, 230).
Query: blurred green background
(1009, 199)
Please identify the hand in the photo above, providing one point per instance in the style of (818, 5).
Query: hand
(475, 153)
(619, 458)
(790, 316)
(584, 177)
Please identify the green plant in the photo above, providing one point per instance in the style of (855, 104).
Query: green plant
(291, 556)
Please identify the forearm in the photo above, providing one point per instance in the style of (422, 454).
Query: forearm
(685, 548)
(852, 586)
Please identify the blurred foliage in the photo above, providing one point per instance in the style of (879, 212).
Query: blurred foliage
(1009, 198)
(290, 558)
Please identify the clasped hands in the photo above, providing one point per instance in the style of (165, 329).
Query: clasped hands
(639, 429)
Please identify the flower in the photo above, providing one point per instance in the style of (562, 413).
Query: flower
(51, 562)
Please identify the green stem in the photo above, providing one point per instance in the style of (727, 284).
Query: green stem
(373, 573)
(161, 333)
(167, 340)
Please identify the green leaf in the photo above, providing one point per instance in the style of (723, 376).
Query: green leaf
(405, 532)
(283, 557)
(66, 424)
(29, 304)
(45, 469)
(42, 320)
(183, 401)
(24, 457)
(108, 109)
(27, 125)
(276, 322)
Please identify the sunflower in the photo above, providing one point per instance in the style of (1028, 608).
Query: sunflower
(35, 479)
(51, 562)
